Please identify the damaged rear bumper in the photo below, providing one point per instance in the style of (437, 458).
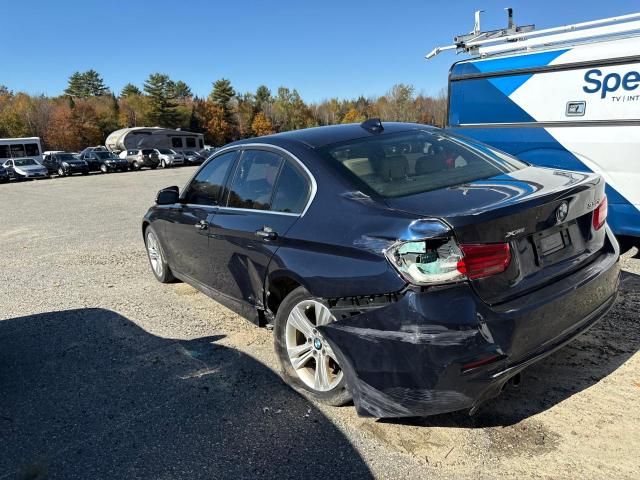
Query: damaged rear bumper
(408, 358)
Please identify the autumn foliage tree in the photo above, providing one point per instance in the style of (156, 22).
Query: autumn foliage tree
(88, 111)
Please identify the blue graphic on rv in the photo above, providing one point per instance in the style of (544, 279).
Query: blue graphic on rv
(539, 95)
(611, 82)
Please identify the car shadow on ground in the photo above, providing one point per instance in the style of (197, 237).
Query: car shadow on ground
(584, 362)
(89, 394)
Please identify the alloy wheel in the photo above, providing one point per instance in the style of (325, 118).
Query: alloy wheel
(155, 256)
(309, 353)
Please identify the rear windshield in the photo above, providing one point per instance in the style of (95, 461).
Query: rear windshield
(414, 162)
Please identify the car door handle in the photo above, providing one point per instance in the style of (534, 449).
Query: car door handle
(266, 233)
(201, 225)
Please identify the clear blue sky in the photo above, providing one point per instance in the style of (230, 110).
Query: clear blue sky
(323, 48)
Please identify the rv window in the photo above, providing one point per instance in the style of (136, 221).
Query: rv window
(32, 149)
(4, 151)
(17, 150)
(191, 142)
(201, 143)
(176, 142)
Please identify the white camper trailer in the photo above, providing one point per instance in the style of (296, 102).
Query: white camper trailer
(153, 137)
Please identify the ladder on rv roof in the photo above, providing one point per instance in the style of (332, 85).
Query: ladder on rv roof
(525, 37)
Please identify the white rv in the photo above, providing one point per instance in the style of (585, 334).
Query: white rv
(28, 147)
(153, 137)
(563, 97)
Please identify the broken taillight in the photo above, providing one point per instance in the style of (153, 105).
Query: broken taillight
(600, 214)
(440, 261)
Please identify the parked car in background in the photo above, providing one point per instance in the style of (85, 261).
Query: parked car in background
(98, 148)
(411, 269)
(142, 157)
(191, 157)
(25, 169)
(169, 158)
(103, 161)
(63, 164)
(4, 175)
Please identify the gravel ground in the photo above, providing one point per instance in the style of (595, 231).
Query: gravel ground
(104, 373)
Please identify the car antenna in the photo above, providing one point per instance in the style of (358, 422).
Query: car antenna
(373, 125)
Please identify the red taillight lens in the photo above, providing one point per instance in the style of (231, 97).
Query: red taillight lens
(484, 260)
(600, 214)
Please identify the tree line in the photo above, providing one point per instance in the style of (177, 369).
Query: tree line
(88, 110)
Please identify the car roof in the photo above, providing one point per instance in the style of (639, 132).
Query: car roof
(320, 136)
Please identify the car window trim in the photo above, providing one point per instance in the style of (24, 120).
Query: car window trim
(264, 146)
(232, 178)
(225, 184)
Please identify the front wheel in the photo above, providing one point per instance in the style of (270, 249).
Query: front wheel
(163, 164)
(61, 172)
(159, 266)
(308, 363)
(104, 168)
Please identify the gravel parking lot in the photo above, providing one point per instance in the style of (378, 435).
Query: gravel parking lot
(105, 373)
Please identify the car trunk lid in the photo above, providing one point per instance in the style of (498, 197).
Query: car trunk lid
(545, 215)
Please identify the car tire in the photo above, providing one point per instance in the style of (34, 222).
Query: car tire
(135, 166)
(153, 167)
(104, 169)
(287, 336)
(61, 172)
(163, 164)
(156, 257)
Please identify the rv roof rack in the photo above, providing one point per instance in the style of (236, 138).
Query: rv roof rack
(527, 37)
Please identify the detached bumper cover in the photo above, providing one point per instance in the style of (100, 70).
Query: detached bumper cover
(406, 359)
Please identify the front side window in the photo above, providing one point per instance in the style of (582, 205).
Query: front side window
(254, 180)
(191, 142)
(176, 142)
(206, 188)
(415, 162)
(292, 191)
(32, 149)
(17, 150)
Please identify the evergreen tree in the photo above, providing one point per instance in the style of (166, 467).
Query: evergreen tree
(130, 89)
(181, 90)
(86, 84)
(75, 86)
(222, 94)
(263, 97)
(160, 92)
(94, 84)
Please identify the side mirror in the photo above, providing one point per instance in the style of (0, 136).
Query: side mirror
(168, 196)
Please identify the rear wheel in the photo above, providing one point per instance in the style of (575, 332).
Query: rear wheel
(61, 172)
(159, 266)
(163, 164)
(308, 363)
(104, 169)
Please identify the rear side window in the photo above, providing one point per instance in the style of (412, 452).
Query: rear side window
(32, 149)
(254, 179)
(207, 186)
(292, 190)
(407, 163)
(17, 150)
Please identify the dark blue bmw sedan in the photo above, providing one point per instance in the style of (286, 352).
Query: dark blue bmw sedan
(411, 270)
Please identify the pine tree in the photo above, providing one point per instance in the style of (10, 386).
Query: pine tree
(181, 90)
(222, 94)
(76, 86)
(86, 84)
(160, 92)
(94, 84)
(130, 89)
